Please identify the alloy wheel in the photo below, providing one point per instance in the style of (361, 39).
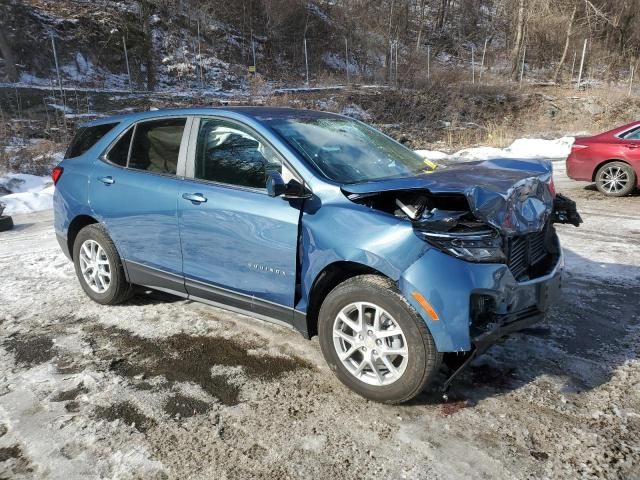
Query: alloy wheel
(614, 179)
(94, 266)
(370, 343)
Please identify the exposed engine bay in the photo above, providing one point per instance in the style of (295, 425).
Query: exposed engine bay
(449, 212)
(446, 221)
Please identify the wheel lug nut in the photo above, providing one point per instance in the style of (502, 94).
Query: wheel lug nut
(378, 342)
(375, 352)
(364, 349)
(370, 332)
(360, 337)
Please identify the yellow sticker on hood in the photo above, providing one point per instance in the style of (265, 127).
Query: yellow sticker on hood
(430, 164)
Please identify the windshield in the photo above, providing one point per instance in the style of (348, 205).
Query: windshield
(347, 151)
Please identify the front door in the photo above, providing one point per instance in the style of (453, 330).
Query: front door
(134, 191)
(238, 244)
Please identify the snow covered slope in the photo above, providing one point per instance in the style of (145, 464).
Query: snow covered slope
(27, 193)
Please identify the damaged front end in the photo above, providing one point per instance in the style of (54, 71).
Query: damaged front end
(498, 218)
(483, 212)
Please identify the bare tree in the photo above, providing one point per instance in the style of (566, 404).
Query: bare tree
(147, 47)
(566, 43)
(519, 39)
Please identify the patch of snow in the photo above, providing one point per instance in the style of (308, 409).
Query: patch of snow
(21, 182)
(355, 111)
(529, 148)
(337, 62)
(28, 202)
(29, 193)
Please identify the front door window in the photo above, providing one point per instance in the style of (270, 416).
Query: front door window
(227, 153)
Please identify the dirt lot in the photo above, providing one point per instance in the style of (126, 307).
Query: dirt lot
(166, 388)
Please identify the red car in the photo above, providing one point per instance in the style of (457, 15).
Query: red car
(611, 159)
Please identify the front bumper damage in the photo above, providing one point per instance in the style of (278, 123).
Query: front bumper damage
(543, 291)
(478, 304)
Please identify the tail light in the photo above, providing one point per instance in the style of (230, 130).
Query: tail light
(56, 173)
(576, 147)
(552, 188)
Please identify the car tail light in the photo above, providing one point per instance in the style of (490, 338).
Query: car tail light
(552, 188)
(56, 173)
(576, 146)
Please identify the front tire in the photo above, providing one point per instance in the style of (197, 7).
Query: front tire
(616, 179)
(375, 342)
(99, 267)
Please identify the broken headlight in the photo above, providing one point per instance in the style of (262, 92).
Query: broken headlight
(473, 246)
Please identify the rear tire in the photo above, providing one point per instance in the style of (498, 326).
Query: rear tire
(99, 267)
(6, 223)
(396, 378)
(616, 179)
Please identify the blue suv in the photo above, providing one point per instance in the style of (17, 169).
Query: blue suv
(318, 222)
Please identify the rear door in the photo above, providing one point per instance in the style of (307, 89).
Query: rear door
(134, 191)
(238, 244)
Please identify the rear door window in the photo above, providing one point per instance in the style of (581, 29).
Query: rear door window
(156, 145)
(86, 138)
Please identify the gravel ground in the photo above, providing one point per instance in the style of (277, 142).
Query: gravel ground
(166, 388)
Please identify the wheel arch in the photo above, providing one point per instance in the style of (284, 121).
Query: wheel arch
(77, 224)
(603, 163)
(330, 277)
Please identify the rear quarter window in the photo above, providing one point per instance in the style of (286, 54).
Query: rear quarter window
(86, 138)
(632, 134)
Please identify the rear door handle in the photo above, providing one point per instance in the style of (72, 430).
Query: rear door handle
(631, 145)
(107, 180)
(195, 198)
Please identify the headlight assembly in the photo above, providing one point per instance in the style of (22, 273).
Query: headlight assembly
(476, 246)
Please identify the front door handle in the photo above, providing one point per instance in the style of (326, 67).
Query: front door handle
(631, 145)
(195, 198)
(107, 180)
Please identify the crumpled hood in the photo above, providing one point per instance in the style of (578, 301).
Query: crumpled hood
(515, 196)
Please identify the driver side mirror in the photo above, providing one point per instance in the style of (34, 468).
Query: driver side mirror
(293, 189)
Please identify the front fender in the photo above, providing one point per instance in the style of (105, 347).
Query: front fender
(352, 233)
(446, 283)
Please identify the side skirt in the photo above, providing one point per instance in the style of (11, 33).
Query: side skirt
(216, 296)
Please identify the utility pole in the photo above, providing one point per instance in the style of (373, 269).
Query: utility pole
(306, 60)
(524, 56)
(253, 50)
(428, 62)
(396, 71)
(391, 59)
(346, 58)
(200, 57)
(473, 65)
(126, 58)
(484, 52)
(64, 103)
(584, 52)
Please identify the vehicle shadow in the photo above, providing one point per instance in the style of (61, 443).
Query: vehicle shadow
(17, 227)
(145, 296)
(590, 332)
(591, 187)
